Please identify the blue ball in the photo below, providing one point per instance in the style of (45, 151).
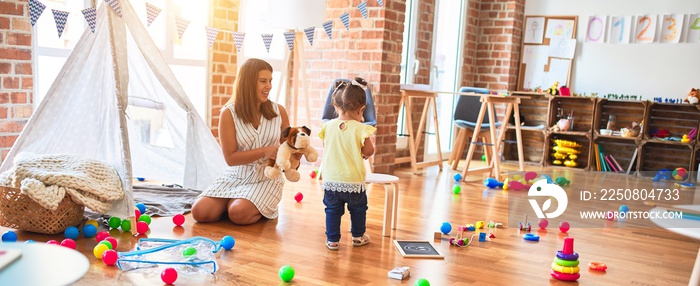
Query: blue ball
(141, 207)
(458, 177)
(29, 241)
(446, 227)
(71, 232)
(9, 236)
(228, 242)
(89, 230)
(624, 209)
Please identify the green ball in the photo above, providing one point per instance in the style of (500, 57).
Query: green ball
(286, 273)
(107, 243)
(145, 218)
(456, 189)
(483, 157)
(421, 282)
(114, 222)
(126, 225)
(189, 252)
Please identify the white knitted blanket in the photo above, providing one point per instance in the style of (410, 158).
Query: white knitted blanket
(48, 178)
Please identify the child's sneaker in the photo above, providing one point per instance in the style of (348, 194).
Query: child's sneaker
(332, 245)
(360, 241)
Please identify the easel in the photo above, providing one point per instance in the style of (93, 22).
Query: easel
(407, 96)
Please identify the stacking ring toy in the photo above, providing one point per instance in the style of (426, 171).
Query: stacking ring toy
(531, 237)
(567, 263)
(564, 276)
(563, 256)
(565, 269)
(597, 266)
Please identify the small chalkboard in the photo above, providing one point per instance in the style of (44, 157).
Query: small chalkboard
(417, 248)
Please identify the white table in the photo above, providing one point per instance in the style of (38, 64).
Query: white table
(687, 227)
(43, 264)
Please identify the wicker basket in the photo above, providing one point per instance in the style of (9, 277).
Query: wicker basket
(21, 212)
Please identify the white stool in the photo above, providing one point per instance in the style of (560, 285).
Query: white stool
(391, 198)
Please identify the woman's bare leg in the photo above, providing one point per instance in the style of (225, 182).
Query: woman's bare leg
(242, 211)
(208, 209)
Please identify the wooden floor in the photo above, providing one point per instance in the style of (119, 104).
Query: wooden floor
(644, 255)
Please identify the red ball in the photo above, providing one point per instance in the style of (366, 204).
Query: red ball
(298, 197)
(141, 227)
(53, 241)
(68, 243)
(110, 257)
(564, 226)
(610, 215)
(113, 241)
(179, 219)
(169, 275)
(100, 236)
(137, 214)
(312, 174)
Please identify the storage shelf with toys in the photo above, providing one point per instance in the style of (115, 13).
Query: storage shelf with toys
(535, 112)
(656, 155)
(569, 139)
(623, 116)
(614, 154)
(567, 151)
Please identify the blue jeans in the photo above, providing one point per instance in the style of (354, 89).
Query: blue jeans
(335, 208)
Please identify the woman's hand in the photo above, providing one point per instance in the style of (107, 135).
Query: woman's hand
(270, 152)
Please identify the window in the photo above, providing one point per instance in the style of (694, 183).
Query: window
(409, 64)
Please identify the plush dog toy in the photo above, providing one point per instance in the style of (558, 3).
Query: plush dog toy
(298, 142)
(692, 96)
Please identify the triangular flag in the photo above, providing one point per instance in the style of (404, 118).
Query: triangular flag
(238, 38)
(267, 39)
(345, 18)
(363, 9)
(181, 24)
(328, 26)
(310, 34)
(212, 33)
(381, 3)
(35, 10)
(152, 11)
(289, 36)
(90, 17)
(115, 6)
(60, 17)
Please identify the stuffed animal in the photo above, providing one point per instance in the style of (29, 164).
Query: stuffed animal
(692, 97)
(554, 89)
(298, 142)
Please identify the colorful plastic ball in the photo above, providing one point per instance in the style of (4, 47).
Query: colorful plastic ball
(70, 243)
(624, 209)
(680, 174)
(93, 223)
(543, 223)
(457, 177)
(114, 222)
(126, 225)
(100, 236)
(179, 219)
(99, 250)
(107, 243)
(610, 215)
(71, 232)
(141, 227)
(286, 273)
(228, 242)
(456, 189)
(111, 240)
(145, 218)
(564, 226)
(137, 214)
(483, 157)
(313, 174)
(141, 207)
(189, 252)
(9, 236)
(298, 197)
(169, 275)
(421, 282)
(89, 230)
(446, 227)
(110, 257)
(53, 241)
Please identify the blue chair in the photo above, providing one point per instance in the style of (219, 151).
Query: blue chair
(465, 116)
(369, 114)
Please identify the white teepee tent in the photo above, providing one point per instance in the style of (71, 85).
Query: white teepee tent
(116, 100)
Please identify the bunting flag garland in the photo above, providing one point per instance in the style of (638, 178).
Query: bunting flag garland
(212, 33)
(363, 9)
(115, 6)
(289, 36)
(90, 17)
(35, 10)
(381, 3)
(310, 34)
(238, 38)
(345, 18)
(181, 24)
(152, 11)
(267, 39)
(60, 17)
(328, 26)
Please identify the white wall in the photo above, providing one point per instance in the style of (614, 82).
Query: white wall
(650, 70)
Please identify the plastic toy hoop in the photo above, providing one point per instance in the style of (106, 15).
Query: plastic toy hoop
(531, 237)
(568, 263)
(561, 255)
(564, 276)
(597, 266)
(565, 269)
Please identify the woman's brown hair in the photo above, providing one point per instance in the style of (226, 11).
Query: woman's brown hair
(245, 97)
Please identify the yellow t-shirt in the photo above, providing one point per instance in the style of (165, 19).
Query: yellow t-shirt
(342, 167)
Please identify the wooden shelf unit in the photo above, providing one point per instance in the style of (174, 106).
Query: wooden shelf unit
(678, 119)
(583, 110)
(621, 148)
(655, 155)
(583, 161)
(626, 112)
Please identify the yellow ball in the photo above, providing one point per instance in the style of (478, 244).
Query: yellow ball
(92, 222)
(99, 250)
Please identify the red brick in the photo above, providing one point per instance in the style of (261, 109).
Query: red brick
(21, 24)
(11, 83)
(18, 98)
(6, 141)
(27, 83)
(23, 68)
(4, 23)
(3, 112)
(11, 126)
(23, 111)
(18, 39)
(16, 53)
(5, 68)
(11, 9)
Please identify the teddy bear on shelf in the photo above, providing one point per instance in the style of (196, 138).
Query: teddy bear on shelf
(298, 142)
(692, 97)
(554, 89)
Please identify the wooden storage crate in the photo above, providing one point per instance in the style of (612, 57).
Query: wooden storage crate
(656, 155)
(583, 111)
(625, 153)
(583, 160)
(533, 146)
(678, 119)
(625, 111)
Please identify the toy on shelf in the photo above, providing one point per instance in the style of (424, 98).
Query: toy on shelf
(565, 264)
(524, 225)
(692, 97)
(554, 89)
(632, 131)
(567, 151)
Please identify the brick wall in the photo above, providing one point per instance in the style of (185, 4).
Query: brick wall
(16, 80)
(222, 57)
